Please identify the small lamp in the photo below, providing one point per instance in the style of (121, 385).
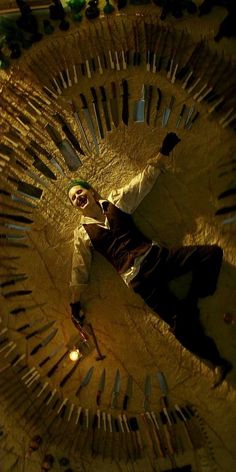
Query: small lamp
(75, 354)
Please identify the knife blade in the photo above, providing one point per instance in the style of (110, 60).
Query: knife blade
(15, 198)
(147, 392)
(13, 281)
(97, 112)
(40, 330)
(224, 210)
(53, 369)
(26, 189)
(167, 112)
(116, 390)
(114, 105)
(105, 107)
(71, 158)
(68, 132)
(101, 386)
(158, 105)
(139, 107)
(47, 155)
(51, 355)
(125, 102)
(89, 121)
(44, 342)
(180, 115)
(128, 393)
(17, 293)
(80, 126)
(38, 164)
(227, 193)
(85, 380)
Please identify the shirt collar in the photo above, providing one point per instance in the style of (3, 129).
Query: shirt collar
(86, 219)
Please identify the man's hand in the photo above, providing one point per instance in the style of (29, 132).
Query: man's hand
(77, 313)
(169, 143)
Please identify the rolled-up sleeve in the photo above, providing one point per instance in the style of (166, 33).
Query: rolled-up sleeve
(81, 263)
(130, 196)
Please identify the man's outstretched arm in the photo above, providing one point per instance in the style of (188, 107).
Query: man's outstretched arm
(130, 196)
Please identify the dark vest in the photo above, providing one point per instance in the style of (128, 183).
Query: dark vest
(120, 244)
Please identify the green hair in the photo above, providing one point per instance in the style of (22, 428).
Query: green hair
(81, 183)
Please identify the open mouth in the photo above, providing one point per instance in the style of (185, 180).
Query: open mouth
(81, 201)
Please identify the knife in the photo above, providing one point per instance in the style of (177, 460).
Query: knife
(46, 154)
(38, 164)
(70, 373)
(128, 393)
(180, 115)
(164, 389)
(101, 386)
(167, 112)
(52, 354)
(55, 366)
(17, 227)
(114, 105)
(139, 108)
(147, 392)
(227, 193)
(125, 102)
(18, 199)
(17, 293)
(26, 189)
(105, 108)
(85, 380)
(44, 342)
(97, 112)
(68, 132)
(71, 158)
(89, 121)
(13, 281)
(158, 105)
(224, 210)
(80, 126)
(116, 390)
(28, 325)
(40, 330)
(149, 101)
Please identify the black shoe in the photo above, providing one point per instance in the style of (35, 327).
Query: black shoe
(221, 371)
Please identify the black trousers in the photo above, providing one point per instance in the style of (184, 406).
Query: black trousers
(152, 283)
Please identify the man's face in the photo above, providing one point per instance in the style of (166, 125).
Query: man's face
(81, 198)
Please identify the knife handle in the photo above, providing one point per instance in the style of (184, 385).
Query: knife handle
(35, 349)
(30, 335)
(98, 397)
(124, 84)
(44, 361)
(103, 93)
(21, 328)
(94, 94)
(83, 100)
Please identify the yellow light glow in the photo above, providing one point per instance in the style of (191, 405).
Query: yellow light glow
(74, 354)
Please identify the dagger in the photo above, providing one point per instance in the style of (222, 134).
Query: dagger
(68, 132)
(116, 390)
(89, 120)
(125, 102)
(85, 380)
(114, 105)
(105, 107)
(70, 373)
(46, 154)
(167, 112)
(44, 342)
(55, 366)
(40, 330)
(71, 158)
(128, 393)
(52, 354)
(38, 164)
(80, 126)
(97, 112)
(101, 386)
